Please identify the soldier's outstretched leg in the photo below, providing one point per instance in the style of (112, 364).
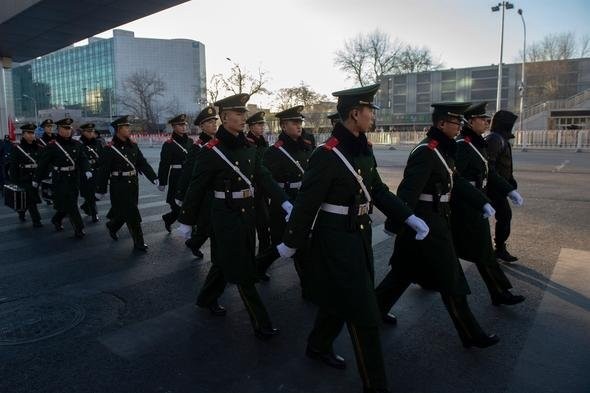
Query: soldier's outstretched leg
(502, 228)
(92, 209)
(113, 226)
(171, 216)
(498, 285)
(35, 216)
(258, 315)
(196, 241)
(137, 235)
(321, 339)
(469, 330)
(211, 290)
(56, 220)
(369, 357)
(388, 292)
(76, 220)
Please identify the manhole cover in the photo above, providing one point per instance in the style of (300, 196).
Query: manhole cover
(33, 319)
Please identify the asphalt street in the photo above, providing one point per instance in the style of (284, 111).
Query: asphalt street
(91, 315)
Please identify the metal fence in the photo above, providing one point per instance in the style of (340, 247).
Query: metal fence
(577, 140)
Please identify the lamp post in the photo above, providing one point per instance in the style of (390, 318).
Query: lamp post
(505, 5)
(522, 76)
(35, 107)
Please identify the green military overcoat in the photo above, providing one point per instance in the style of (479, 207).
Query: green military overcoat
(22, 168)
(172, 158)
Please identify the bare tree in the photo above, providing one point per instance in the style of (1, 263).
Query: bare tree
(560, 46)
(298, 95)
(416, 59)
(141, 92)
(367, 57)
(238, 81)
(214, 87)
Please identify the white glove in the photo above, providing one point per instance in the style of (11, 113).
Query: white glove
(156, 182)
(99, 196)
(516, 198)
(287, 207)
(161, 188)
(184, 230)
(178, 202)
(88, 174)
(417, 224)
(488, 211)
(35, 184)
(284, 251)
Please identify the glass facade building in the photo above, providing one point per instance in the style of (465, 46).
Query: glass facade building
(92, 77)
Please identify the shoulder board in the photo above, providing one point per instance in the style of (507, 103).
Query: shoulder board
(212, 143)
(279, 143)
(467, 139)
(331, 143)
(199, 142)
(432, 144)
(110, 144)
(169, 140)
(307, 141)
(53, 141)
(250, 140)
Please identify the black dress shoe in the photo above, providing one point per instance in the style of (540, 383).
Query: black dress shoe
(503, 254)
(483, 341)
(21, 216)
(215, 309)
(508, 299)
(266, 333)
(389, 319)
(37, 224)
(167, 224)
(95, 218)
(329, 358)
(112, 234)
(79, 233)
(140, 246)
(58, 226)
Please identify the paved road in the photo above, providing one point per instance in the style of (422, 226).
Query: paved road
(123, 322)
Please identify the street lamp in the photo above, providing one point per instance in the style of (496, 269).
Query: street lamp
(35, 107)
(505, 5)
(522, 79)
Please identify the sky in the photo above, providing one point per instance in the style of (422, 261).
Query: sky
(295, 40)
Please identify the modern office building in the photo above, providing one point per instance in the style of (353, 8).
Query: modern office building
(93, 77)
(563, 84)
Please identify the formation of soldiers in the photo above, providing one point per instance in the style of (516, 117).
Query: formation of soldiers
(306, 202)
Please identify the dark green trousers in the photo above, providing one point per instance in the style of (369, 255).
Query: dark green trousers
(134, 227)
(214, 286)
(73, 214)
(365, 340)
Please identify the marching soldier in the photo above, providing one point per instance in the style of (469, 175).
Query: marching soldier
(255, 135)
(429, 178)
(67, 161)
(172, 157)
(228, 166)
(207, 121)
(120, 163)
(48, 134)
(471, 231)
(340, 186)
(92, 147)
(23, 163)
(287, 160)
(500, 159)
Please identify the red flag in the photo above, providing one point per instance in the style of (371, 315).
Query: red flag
(11, 129)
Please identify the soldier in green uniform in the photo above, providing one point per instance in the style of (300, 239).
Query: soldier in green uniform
(48, 134)
(228, 166)
(23, 163)
(92, 147)
(172, 157)
(120, 163)
(287, 160)
(255, 135)
(429, 178)
(340, 186)
(500, 159)
(471, 231)
(66, 160)
(207, 121)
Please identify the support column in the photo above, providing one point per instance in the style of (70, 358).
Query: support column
(5, 64)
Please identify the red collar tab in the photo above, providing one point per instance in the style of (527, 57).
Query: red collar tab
(169, 140)
(331, 143)
(279, 143)
(467, 139)
(212, 143)
(432, 144)
(251, 140)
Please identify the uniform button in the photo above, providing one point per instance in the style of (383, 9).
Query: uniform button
(239, 178)
(360, 191)
(243, 210)
(359, 171)
(237, 163)
(249, 160)
(290, 231)
(362, 226)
